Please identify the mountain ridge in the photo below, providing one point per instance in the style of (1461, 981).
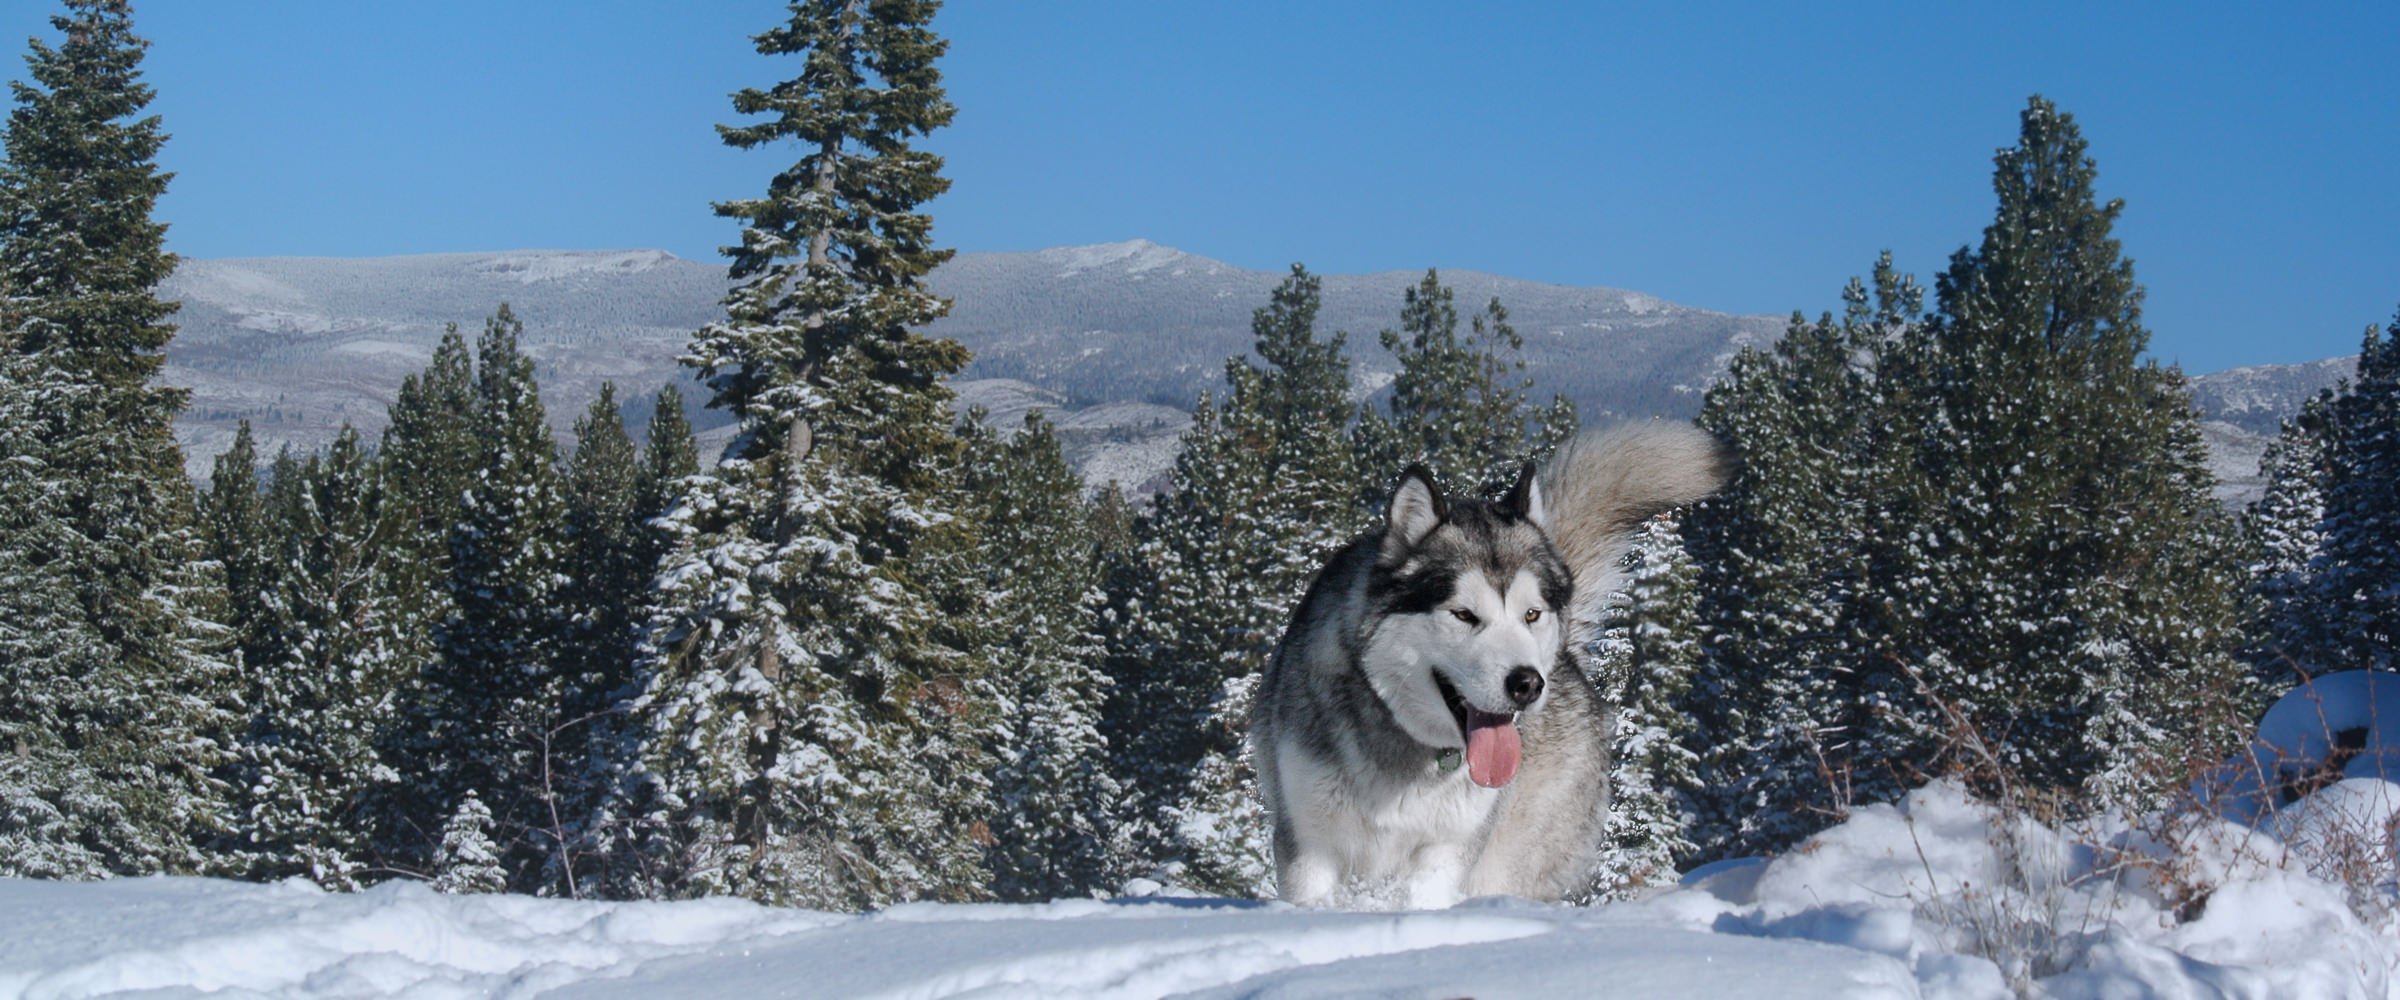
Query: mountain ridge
(1110, 338)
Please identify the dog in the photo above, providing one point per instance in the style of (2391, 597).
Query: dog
(1425, 731)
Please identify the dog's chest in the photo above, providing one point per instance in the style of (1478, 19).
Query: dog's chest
(1390, 828)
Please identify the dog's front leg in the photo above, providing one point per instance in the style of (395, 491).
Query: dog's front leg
(1435, 873)
(1308, 878)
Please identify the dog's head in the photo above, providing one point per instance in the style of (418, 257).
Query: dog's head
(1466, 599)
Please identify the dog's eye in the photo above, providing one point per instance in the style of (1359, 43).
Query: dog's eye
(1532, 615)
(1466, 616)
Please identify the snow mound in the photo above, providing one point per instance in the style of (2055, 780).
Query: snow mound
(2338, 726)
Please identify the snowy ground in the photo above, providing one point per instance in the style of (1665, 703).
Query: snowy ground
(1937, 896)
(1913, 901)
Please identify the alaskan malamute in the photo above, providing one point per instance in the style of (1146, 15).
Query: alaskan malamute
(1425, 731)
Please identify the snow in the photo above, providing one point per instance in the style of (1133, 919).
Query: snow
(1129, 257)
(1937, 896)
(2297, 739)
(551, 265)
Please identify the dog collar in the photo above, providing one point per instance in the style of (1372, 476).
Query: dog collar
(1448, 759)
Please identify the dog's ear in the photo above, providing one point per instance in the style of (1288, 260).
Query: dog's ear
(1417, 507)
(1525, 499)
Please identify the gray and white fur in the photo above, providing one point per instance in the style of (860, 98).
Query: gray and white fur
(1425, 731)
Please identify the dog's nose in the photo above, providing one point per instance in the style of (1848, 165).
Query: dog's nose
(1524, 685)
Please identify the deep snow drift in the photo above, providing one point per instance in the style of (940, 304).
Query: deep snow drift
(2258, 896)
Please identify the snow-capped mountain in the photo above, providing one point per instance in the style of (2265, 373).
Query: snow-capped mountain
(1114, 341)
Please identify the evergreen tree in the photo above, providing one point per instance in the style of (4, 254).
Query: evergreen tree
(481, 716)
(1646, 662)
(1995, 518)
(669, 456)
(330, 663)
(2083, 607)
(240, 535)
(468, 861)
(2326, 529)
(57, 819)
(429, 448)
(2285, 534)
(1053, 832)
(1458, 406)
(1793, 683)
(428, 457)
(128, 686)
(813, 739)
(1262, 496)
(609, 557)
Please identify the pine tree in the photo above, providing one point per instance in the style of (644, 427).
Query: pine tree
(812, 738)
(429, 457)
(49, 653)
(1646, 665)
(239, 534)
(1262, 496)
(668, 457)
(606, 572)
(2083, 606)
(482, 714)
(1053, 831)
(131, 677)
(322, 690)
(1788, 698)
(1995, 518)
(2332, 583)
(1458, 406)
(467, 860)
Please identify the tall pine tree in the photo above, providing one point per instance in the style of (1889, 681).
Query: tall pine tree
(1993, 518)
(482, 712)
(132, 685)
(1054, 831)
(1458, 404)
(325, 672)
(813, 739)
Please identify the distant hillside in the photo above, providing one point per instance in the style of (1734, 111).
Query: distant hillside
(1137, 320)
(2257, 398)
(299, 345)
(1111, 333)
(1114, 341)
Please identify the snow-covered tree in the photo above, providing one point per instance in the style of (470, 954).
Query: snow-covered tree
(467, 860)
(2285, 529)
(322, 684)
(476, 718)
(1263, 494)
(607, 558)
(123, 701)
(1054, 829)
(1790, 691)
(1996, 518)
(1645, 666)
(1458, 405)
(811, 737)
(2329, 524)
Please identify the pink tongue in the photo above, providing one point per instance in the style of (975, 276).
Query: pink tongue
(1493, 748)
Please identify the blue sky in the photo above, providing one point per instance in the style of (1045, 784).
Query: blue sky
(1740, 157)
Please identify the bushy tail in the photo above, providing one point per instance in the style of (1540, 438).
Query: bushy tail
(1599, 488)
